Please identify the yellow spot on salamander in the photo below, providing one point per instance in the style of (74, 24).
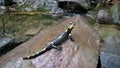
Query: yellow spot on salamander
(66, 30)
(52, 42)
(60, 36)
(71, 26)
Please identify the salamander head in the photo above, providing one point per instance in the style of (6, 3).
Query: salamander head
(71, 25)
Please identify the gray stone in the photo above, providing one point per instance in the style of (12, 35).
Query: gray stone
(103, 16)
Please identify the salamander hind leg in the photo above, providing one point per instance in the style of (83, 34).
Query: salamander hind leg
(57, 47)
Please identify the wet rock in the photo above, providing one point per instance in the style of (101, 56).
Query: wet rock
(82, 53)
(5, 40)
(110, 55)
(103, 17)
(115, 11)
(14, 42)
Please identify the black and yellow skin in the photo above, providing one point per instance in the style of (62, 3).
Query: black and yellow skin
(56, 42)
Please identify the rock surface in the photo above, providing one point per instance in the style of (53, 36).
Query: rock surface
(110, 50)
(82, 53)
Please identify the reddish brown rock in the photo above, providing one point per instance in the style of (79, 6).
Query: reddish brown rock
(82, 53)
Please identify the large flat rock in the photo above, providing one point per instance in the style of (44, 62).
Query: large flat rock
(82, 53)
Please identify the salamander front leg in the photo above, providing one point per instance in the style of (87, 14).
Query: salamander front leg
(70, 37)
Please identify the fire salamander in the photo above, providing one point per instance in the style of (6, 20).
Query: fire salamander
(56, 42)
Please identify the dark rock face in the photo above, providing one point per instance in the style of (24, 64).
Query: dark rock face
(82, 53)
(72, 7)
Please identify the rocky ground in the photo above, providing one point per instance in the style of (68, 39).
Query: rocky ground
(83, 52)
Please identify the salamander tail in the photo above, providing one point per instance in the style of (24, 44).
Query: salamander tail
(34, 55)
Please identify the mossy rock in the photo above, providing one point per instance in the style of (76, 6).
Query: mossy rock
(115, 13)
(47, 22)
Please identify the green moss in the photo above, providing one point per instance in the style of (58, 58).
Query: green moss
(41, 9)
(92, 21)
(105, 33)
(17, 25)
(108, 30)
